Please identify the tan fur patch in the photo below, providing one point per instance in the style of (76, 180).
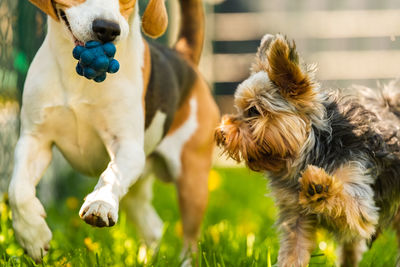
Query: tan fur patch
(325, 194)
(235, 137)
(191, 36)
(68, 3)
(281, 62)
(126, 7)
(46, 6)
(196, 162)
(181, 116)
(265, 143)
(146, 71)
(155, 18)
(297, 241)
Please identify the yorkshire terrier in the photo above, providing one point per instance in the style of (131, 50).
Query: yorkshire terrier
(332, 159)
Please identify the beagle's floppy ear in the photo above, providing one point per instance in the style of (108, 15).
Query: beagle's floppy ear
(155, 18)
(46, 6)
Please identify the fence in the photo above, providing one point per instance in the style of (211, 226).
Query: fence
(351, 41)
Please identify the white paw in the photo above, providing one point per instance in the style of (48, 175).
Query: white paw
(100, 209)
(31, 230)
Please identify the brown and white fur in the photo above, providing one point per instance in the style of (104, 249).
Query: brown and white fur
(155, 116)
(332, 159)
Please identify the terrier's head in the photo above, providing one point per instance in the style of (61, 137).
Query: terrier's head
(276, 106)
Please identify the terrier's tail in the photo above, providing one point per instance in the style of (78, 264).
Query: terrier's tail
(191, 36)
(391, 96)
(387, 96)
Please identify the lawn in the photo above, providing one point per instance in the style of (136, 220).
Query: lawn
(238, 230)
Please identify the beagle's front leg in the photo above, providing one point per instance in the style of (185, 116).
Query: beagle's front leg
(32, 157)
(127, 163)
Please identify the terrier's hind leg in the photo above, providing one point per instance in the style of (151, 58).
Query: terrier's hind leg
(350, 253)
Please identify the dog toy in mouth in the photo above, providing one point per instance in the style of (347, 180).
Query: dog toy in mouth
(95, 60)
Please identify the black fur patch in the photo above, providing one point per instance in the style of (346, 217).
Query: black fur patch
(355, 134)
(171, 80)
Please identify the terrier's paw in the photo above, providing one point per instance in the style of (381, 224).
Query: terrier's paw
(317, 190)
(31, 230)
(99, 209)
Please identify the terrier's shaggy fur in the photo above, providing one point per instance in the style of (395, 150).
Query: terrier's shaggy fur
(333, 160)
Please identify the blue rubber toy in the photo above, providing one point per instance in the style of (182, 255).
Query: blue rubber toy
(95, 60)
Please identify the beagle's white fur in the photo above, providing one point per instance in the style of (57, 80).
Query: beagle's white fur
(110, 128)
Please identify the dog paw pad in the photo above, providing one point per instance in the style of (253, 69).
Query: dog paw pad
(314, 189)
(99, 213)
(315, 186)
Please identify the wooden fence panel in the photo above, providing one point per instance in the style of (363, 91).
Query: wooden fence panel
(352, 42)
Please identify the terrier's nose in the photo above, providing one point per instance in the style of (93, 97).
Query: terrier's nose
(106, 30)
(220, 136)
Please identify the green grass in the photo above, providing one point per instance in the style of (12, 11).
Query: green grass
(238, 230)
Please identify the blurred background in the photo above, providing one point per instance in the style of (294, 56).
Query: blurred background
(352, 42)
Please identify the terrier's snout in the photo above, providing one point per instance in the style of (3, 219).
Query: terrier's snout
(220, 136)
(106, 30)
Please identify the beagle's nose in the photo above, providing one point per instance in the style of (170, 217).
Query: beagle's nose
(106, 30)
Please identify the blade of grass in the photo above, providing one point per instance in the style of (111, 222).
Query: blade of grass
(205, 259)
(222, 260)
(269, 257)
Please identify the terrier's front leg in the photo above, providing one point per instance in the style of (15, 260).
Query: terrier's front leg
(32, 157)
(127, 162)
(345, 196)
(297, 238)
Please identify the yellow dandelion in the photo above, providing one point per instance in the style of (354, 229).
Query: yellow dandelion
(72, 203)
(90, 245)
(247, 227)
(178, 229)
(128, 244)
(214, 180)
(215, 233)
(129, 260)
(330, 250)
(62, 262)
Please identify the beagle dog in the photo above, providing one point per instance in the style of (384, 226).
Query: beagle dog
(155, 117)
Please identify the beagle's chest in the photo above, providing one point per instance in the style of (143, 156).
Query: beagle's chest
(82, 122)
(82, 133)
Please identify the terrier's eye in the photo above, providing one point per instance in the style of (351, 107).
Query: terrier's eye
(253, 112)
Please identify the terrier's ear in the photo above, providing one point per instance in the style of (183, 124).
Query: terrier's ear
(46, 6)
(284, 70)
(155, 18)
(263, 48)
